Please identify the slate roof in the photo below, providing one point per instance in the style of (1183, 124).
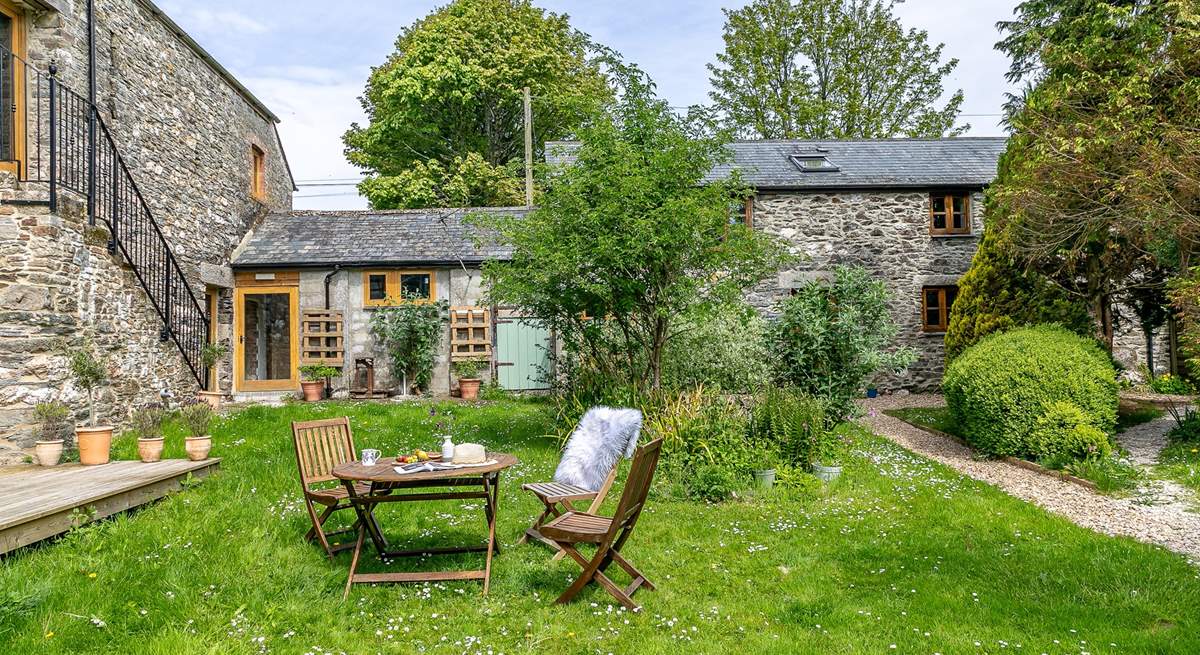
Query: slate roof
(880, 163)
(311, 239)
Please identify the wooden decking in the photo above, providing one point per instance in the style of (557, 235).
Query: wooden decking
(37, 503)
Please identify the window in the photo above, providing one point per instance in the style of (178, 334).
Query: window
(935, 307)
(816, 161)
(12, 87)
(258, 181)
(741, 212)
(384, 288)
(950, 213)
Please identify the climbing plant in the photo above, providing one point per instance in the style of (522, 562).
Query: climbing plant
(411, 332)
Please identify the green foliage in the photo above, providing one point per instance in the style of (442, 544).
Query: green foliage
(830, 69)
(1097, 188)
(1184, 293)
(88, 369)
(997, 293)
(445, 109)
(831, 336)
(630, 242)
(1187, 427)
(1064, 430)
(492, 391)
(411, 332)
(196, 418)
(711, 483)
(726, 349)
(315, 372)
(468, 369)
(791, 423)
(998, 389)
(1171, 384)
(147, 423)
(699, 427)
(53, 419)
(212, 353)
(1109, 473)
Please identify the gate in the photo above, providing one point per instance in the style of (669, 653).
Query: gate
(522, 354)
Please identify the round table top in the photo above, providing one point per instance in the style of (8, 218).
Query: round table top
(383, 470)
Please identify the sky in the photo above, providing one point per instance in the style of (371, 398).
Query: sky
(308, 60)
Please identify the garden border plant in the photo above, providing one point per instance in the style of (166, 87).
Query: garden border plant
(411, 333)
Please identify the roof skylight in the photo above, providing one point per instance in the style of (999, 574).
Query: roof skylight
(816, 161)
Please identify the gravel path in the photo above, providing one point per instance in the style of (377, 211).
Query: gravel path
(1159, 514)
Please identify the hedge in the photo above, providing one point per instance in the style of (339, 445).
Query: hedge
(999, 389)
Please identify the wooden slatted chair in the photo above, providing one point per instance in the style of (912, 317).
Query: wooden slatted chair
(559, 497)
(320, 446)
(608, 534)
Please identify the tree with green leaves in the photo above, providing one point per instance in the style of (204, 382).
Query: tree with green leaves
(830, 69)
(445, 110)
(631, 242)
(1101, 188)
(997, 293)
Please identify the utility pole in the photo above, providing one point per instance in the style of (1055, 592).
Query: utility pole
(528, 148)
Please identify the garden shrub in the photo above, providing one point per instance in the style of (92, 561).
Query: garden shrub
(999, 388)
(1064, 431)
(726, 348)
(792, 423)
(1187, 427)
(711, 483)
(832, 336)
(1171, 384)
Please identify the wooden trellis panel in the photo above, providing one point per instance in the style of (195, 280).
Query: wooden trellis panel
(470, 333)
(322, 340)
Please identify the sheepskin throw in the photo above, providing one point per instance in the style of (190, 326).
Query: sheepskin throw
(603, 436)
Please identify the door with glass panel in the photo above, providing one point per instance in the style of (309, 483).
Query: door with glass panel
(12, 90)
(267, 344)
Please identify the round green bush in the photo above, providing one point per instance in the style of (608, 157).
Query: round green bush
(998, 389)
(1064, 432)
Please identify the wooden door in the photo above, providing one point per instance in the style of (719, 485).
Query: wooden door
(266, 343)
(12, 86)
(522, 354)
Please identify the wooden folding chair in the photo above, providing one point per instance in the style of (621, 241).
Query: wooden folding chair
(320, 446)
(609, 534)
(558, 497)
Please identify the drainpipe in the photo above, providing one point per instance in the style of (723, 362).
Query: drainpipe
(91, 134)
(328, 278)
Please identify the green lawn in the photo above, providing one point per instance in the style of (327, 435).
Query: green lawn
(1180, 461)
(901, 555)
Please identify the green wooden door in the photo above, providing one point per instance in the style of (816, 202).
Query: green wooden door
(522, 354)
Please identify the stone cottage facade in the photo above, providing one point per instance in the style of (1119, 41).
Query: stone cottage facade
(296, 267)
(207, 163)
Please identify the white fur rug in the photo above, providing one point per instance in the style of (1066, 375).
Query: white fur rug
(603, 436)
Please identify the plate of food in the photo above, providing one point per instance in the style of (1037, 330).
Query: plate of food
(418, 456)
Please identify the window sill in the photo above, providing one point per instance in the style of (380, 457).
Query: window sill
(971, 235)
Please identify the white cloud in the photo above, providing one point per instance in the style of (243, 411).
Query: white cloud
(216, 21)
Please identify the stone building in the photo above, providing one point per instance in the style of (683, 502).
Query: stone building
(908, 210)
(330, 272)
(187, 159)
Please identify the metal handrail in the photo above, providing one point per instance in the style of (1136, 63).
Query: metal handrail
(95, 169)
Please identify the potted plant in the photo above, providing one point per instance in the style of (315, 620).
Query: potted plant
(826, 464)
(467, 372)
(764, 468)
(90, 373)
(313, 377)
(147, 424)
(196, 418)
(210, 354)
(52, 420)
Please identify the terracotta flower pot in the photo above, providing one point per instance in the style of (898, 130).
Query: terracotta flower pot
(94, 444)
(469, 388)
(313, 391)
(213, 398)
(197, 447)
(48, 452)
(150, 450)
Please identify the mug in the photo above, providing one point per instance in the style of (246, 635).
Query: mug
(370, 456)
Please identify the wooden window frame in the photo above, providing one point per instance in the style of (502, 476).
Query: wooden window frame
(283, 286)
(948, 197)
(17, 14)
(392, 286)
(258, 173)
(943, 307)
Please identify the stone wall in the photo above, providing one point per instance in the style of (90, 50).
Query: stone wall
(186, 133)
(887, 232)
(453, 285)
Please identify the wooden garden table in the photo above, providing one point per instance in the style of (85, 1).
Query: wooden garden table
(387, 486)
